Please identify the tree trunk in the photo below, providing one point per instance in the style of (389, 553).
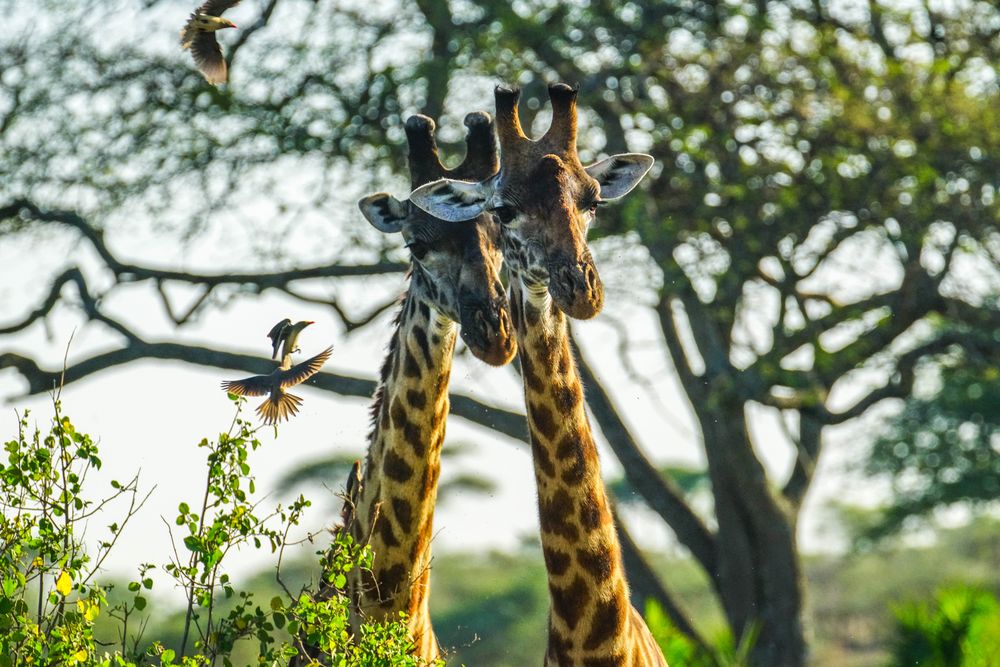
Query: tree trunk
(759, 573)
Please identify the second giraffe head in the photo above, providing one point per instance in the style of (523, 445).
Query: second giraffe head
(456, 268)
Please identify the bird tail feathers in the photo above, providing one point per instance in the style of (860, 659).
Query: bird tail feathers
(279, 408)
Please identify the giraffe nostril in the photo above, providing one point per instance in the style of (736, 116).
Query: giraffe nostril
(482, 322)
(591, 277)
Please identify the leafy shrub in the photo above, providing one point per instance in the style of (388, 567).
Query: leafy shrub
(50, 597)
(681, 651)
(960, 627)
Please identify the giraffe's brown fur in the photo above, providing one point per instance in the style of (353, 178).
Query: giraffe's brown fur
(395, 508)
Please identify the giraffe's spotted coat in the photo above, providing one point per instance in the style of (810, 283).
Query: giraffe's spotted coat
(591, 621)
(454, 288)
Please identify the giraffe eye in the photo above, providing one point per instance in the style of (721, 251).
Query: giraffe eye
(418, 249)
(504, 213)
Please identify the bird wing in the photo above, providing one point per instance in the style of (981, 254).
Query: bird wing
(188, 33)
(216, 7)
(208, 56)
(277, 333)
(305, 370)
(258, 385)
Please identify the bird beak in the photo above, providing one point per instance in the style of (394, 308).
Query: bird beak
(310, 322)
(230, 24)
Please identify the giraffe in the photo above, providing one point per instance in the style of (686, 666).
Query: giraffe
(454, 278)
(545, 200)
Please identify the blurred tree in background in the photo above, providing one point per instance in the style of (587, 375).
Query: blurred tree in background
(941, 449)
(823, 221)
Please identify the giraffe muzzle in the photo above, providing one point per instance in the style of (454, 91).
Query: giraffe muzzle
(488, 330)
(576, 288)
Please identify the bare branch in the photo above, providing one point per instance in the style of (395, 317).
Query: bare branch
(130, 273)
(511, 424)
(244, 34)
(807, 442)
(693, 385)
(72, 275)
(661, 494)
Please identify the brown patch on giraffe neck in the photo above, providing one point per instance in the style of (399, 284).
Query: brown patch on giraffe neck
(607, 622)
(570, 603)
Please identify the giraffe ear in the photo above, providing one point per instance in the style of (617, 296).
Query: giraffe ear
(384, 212)
(620, 173)
(452, 200)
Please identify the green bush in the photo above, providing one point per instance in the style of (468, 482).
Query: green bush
(681, 651)
(960, 627)
(50, 597)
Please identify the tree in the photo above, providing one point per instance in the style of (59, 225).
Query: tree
(939, 449)
(826, 189)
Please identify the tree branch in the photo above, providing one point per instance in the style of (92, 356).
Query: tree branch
(902, 385)
(694, 386)
(662, 495)
(127, 272)
(511, 424)
(808, 447)
(71, 275)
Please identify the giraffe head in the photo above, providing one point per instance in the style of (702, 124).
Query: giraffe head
(455, 268)
(545, 200)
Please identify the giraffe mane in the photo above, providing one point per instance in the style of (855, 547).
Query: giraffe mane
(391, 351)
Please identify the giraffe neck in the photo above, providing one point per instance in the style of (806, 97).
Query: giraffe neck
(395, 507)
(591, 620)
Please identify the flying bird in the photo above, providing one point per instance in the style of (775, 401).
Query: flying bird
(279, 404)
(199, 36)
